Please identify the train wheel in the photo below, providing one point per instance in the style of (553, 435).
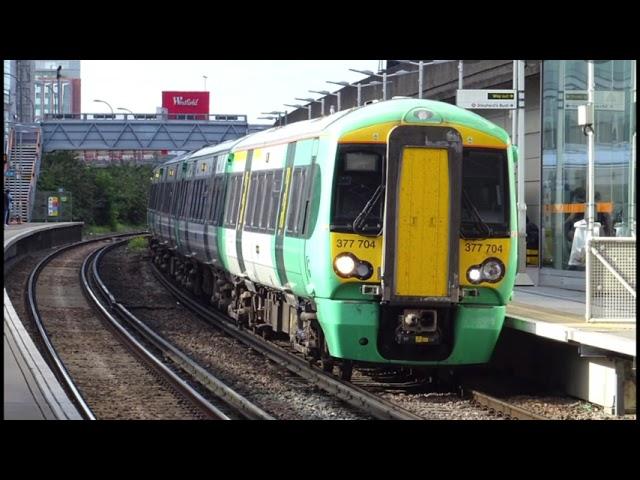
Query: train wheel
(327, 364)
(266, 332)
(345, 369)
(325, 359)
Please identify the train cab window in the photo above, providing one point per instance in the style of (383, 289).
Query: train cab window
(485, 193)
(358, 198)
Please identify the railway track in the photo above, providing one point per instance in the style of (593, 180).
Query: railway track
(107, 377)
(349, 392)
(502, 407)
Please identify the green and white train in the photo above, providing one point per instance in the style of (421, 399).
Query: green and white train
(384, 234)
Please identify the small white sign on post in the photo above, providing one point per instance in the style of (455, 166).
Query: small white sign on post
(613, 100)
(487, 99)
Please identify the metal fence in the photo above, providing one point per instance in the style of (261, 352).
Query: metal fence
(53, 207)
(611, 279)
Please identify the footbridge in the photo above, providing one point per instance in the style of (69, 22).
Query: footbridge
(135, 131)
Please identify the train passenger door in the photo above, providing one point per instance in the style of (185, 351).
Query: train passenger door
(422, 216)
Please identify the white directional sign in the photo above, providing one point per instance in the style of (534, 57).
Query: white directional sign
(603, 99)
(487, 99)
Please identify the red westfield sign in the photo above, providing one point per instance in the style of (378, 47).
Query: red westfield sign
(186, 103)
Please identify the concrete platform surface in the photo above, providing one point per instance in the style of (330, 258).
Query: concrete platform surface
(559, 314)
(31, 390)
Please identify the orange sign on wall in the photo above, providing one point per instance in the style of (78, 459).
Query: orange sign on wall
(602, 207)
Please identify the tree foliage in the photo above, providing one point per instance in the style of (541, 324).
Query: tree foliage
(101, 195)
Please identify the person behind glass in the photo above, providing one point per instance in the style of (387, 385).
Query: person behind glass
(532, 234)
(603, 218)
(577, 196)
(8, 201)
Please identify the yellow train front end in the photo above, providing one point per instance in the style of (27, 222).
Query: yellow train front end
(424, 260)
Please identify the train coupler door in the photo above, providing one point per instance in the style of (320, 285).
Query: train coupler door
(422, 216)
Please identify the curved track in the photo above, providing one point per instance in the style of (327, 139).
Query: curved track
(105, 378)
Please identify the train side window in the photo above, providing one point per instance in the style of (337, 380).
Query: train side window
(274, 202)
(193, 198)
(259, 201)
(203, 199)
(211, 198)
(168, 194)
(154, 196)
(176, 189)
(190, 198)
(266, 197)
(251, 200)
(218, 198)
(297, 201)
(233, 199)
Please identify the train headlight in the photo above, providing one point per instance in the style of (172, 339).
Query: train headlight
(474, 274)
(345, 265)
(492, 270)
(364, 270)
(422, 114)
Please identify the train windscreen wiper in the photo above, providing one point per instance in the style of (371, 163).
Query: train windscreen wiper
(480, 225)
(359, 222)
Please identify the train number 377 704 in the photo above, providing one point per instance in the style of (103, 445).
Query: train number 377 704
(482, 248)
(349, 243)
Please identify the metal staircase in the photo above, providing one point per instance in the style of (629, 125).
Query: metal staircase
(25, 152)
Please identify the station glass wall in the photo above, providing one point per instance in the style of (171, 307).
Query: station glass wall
(564, 155)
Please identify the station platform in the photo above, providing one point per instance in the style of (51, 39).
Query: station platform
(559, 314)
(31, 390)
(591, 361)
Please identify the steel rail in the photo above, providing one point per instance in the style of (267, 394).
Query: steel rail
(501, 406)
(55, 361)
(353, 395)
(205, 378)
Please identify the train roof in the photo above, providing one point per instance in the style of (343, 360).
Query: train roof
(344, 121)
(208, 150)
(361, 117)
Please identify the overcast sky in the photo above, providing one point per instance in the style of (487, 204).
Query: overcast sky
(237, 86)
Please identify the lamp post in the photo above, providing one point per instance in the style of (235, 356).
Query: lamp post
(269, 117)
(384, 77)
(102, 101)
(58, 77)
(327, 93)
(308, 107)
(311, 100)
(125, 110)
(358, 86)
(281, 115)
(421, 64)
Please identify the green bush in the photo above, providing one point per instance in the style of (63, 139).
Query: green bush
(109, 196)
(138, 244)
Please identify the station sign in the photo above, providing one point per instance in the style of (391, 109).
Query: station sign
(53, 205)
(487, 99)
(611, 100)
